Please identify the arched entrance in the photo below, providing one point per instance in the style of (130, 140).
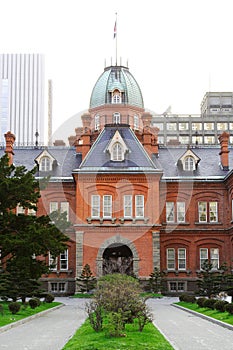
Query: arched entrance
(118, 258)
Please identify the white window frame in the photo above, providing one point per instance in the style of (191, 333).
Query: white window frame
(171, 261)
(97, 122)
(116, 118)
(64, 207)
(181, 259)
(214, 258)
(136, 122)
(213, 211)
(107, 206)
(45, 164)
(20, 210)
(139, 206)
(128, 206)
(95, 206)
(202, 212)
(64, 260)
(170, 212)
(117, 152)
(189, 164)
(53, 261)
(203, 256)
(53, 206)
(180, 209)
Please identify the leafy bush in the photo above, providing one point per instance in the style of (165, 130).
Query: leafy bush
(95, 314)
(209, 303)
(49, 298)
(200, 301)
(34, 302)
(187, 298)
(1, 310)
(220, 305)
(229, 308)
(14, 307)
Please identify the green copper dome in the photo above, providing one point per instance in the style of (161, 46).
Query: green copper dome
(116, 78)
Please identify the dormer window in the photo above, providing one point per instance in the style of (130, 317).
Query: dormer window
(45, 164)
(189, 160)
(117, 148)
(116, 118)
(45, 161)
(189, 164)
(116, 96)
(117, 152)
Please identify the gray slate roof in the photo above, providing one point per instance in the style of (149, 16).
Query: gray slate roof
(136, 159)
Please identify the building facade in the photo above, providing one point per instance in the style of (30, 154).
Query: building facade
(133, 204)
(22, 97)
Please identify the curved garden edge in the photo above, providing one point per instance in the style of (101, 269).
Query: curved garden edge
(29, 318)
(220, 323)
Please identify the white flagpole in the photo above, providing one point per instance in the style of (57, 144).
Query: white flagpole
(115, 33)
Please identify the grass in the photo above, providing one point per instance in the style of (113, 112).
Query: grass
(220, 316)
(149, 339)
(8, 318)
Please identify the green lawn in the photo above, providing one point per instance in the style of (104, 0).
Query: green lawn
(8, 318)
(144, 294)
(221, 316)
(149, 339)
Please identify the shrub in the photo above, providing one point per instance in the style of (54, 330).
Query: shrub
(209, 303)
(49, 298)
(200, 301)
(34, 302)
(95, 315)
(1, 310)
(187, 298)
(220, 305)
(14, 307)
(229, 308)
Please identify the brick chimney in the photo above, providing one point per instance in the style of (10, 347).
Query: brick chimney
(224, 153)
(10, 139)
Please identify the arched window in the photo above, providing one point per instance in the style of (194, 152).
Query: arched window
(117, 152)
(189, 164)
(45, 164)
(116, 118)
(116, 96)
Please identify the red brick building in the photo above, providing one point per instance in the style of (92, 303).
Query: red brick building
(135, 205)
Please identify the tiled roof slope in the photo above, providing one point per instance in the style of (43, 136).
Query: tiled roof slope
(136, 159)
(208, 167)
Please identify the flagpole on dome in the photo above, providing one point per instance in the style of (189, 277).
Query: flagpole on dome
(115, 35)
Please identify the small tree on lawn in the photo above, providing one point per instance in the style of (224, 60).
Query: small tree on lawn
(209, 283)
(155, 281)
(86, 281)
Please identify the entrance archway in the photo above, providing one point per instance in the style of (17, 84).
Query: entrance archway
(118, 258)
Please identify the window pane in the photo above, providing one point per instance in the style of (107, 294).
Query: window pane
(53, 206)
(170, 217)
(213, 208)
(181, 258)
(203, 256)
(202, 211)
(65, 209)
(95, 206)
(117, 152)
(64, 260)
(128, 206)
(214, 257)
(170, 259)
(139, 206)
(107, 206)
(181, 211)
(52, 262)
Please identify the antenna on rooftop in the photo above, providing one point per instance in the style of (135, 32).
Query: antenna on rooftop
(115, 35)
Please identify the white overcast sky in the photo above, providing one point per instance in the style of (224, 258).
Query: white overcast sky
(176, 49)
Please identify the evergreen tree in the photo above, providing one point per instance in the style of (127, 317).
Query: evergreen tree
(86, 280)
(24, 238)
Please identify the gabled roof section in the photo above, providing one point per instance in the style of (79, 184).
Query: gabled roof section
(99, 160)
(117, 140)
(189, 155)
(44, 153)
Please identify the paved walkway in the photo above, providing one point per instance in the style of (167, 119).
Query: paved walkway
(52, 330)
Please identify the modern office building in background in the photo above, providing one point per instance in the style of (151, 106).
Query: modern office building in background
(22, 80)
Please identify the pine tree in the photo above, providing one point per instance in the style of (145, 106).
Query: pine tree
(86, 280)
(24, 238)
